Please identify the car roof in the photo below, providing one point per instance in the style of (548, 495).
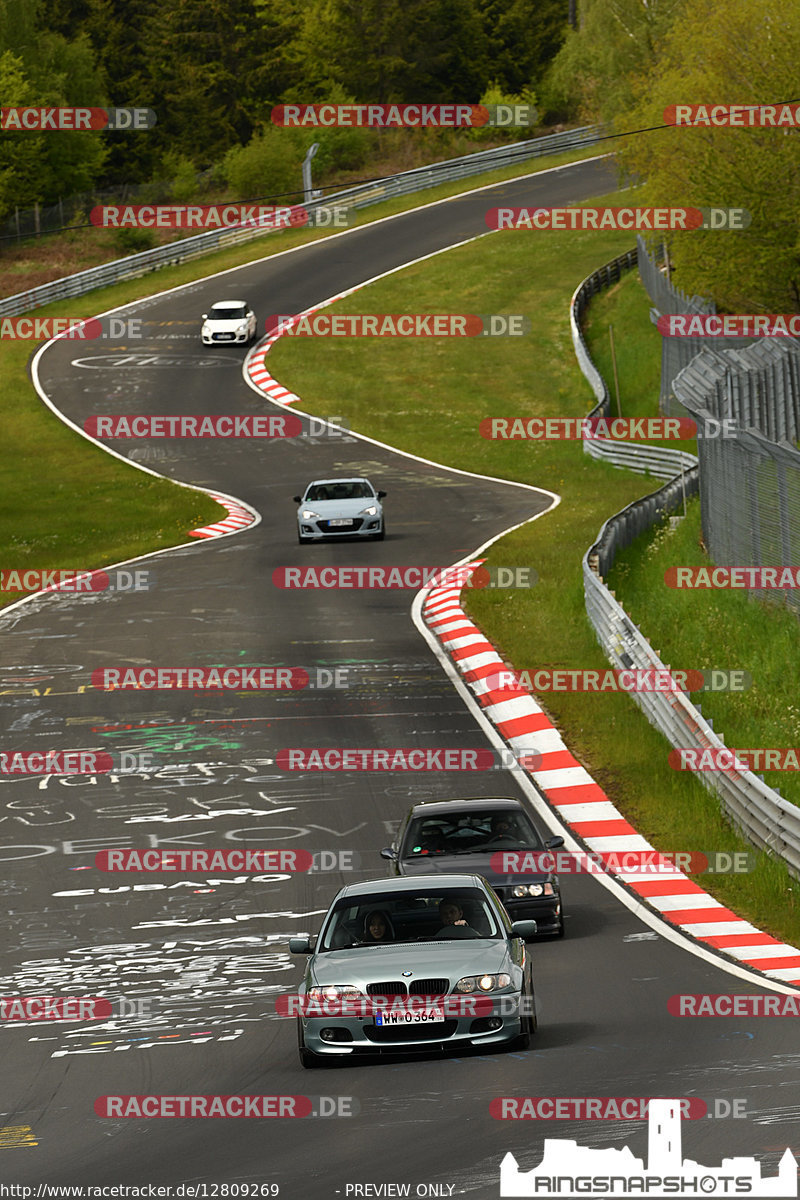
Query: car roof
(229, 304)
(409, 883)
(340, 479)
(448, 807)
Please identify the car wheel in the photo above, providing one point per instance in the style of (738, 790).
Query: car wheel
(561, 930)
(378, 537)
(308, 1059)
(302, 540)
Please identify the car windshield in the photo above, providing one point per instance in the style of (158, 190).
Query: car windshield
(232, 312)
(347, 489)
(470, 833)
(424, 915)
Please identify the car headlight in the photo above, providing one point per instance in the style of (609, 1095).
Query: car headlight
(372, 511)
(334, 991)
(308, 514)
(482, 983)
(533, 889)
(242, 327)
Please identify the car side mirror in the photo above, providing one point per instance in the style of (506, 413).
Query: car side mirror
(297, 499)
(205, 317)
(381, 495)
(300, 945)
(554, 843)
(520, 929)
(390, 853)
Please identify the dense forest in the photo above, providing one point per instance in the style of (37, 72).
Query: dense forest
(212, 70)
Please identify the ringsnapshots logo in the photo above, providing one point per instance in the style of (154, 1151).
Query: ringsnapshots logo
(567, 1169)
(76, 582)
(748, 116)
(399, 325)
(234, 679)
(401, 577)
(397, 758)
(38, 120)
(404, 116)
(632, 219)
(271, 426)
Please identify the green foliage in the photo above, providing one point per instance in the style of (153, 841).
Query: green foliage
(495, 95)
(132, 241)
(270, 165)
(745, 52)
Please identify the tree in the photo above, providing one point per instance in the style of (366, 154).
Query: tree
(743, 52)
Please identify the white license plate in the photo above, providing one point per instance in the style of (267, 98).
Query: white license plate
(425, 1016)
(341, 521)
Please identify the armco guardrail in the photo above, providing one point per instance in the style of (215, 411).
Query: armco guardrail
(757, 810)
(659, 461)
(357, 197)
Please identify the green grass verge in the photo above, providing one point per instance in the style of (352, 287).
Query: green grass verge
(429, 397)
(65, 504)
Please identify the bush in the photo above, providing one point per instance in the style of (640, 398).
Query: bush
(132, 241)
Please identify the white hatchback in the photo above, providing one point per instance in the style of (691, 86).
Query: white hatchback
(228, 321)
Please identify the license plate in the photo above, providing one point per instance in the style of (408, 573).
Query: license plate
(224, 337)
(425, 1016)
(341, 521)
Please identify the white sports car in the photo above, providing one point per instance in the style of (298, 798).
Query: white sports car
(228, 321)
(340, 508)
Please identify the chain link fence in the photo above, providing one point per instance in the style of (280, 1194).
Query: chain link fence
(676, 352)
(759, 812)
(750, 479)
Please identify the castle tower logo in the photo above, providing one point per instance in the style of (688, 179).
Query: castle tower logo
(568, 1169)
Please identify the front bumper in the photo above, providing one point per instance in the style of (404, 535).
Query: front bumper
(320, 530)
(225, 339)
(544, 910)
(340, 1036)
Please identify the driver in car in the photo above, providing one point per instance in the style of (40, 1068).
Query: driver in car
(451, 914)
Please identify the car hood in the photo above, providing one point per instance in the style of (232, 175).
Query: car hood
(224, 324)
(478, 863)
(370, 964)
(339, 508)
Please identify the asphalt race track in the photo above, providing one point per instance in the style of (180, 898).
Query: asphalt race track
(201, 961)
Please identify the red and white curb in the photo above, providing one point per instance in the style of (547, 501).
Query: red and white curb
(238, 518)
(584, 807)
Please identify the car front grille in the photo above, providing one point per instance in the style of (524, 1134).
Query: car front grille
(325, 526)
(394, 987)
(417, 987)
